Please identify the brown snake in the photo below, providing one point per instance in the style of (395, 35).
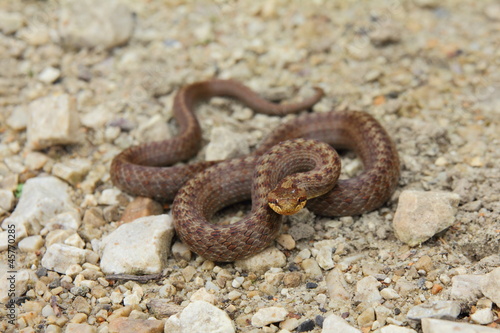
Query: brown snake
(307, 168)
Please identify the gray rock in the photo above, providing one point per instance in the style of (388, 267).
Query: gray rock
(59, 257)
(490, 286)
(435, 309)
(95, 24)
(367, 290)
(261, 262)
(53, 120)
(430, 325)
(44, 201)
(420, 215)
(466, 288)
(200, 317)
(225, 144)
(138, 247)
(266, 316)
(335, 324)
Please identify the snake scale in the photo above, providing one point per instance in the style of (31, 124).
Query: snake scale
(289, 162)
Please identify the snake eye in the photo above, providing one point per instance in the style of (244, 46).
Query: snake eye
(301, 199)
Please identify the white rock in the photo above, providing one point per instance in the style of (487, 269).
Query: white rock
(154, 129)
(6, 201)
(396, 329)
(10, 22)
(59, 257)
(110, 197)
(336, 324)
(139, 247)
(490, 286)
(325, 252)
(18, 119)
(261, 262)
(200, 317)
(35, 160)
(225, 144)
(17, 283)
(367, 290)
(431, 325)
(181, 251)
(202, 294)
(75, 240)
(93, 23)
(52, 120)
(337, 286)
(73, 170)
(31, 243)
(266, 316)
(4, 240)
(420, 215)
(49, 75)
(466, 288)
(435, 309)
(482, 317)
(389, 293)
(43, 200)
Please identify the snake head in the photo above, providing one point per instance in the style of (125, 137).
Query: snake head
(287, 200)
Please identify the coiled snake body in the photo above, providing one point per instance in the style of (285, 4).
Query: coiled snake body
(287, 161)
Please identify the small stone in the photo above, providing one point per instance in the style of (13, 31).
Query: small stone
(123, 324)
(31, 243)
(337, 286)
(110, 197)
(420, 215)
(286, 241)
(225, 144)
(80, 328)
(202, 294)
(293, 279)
(366, 318)
(72, 171)
(21, 280)
(427, 3)
(138, 247)
(154, 129)
(82, 26)
(18, 119)
(482, 317)
(305, 326)
(389, 293)
(435, 309)
(367, 290)
(430, 325)
(181, 251)
(396, 329)
(490, 286)
(268, 316)
(49, 75)
(200, 316)
(140, 207)
(492, 11)
(425, 263)
(334, 323)
(466, 288)
(261, 262)
(10, 22)
(325, 252)
(59, 257)
(53, 120)
(311, 268)
(289, 324)
(35, 160)
(163, 308)
(7, 200)
(75, 240)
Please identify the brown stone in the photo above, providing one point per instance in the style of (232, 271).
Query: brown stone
(126, 325)
(141, 207)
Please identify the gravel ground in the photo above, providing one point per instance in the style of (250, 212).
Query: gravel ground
(428, 70)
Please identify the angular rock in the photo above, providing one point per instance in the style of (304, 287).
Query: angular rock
(467, 288)
(18, 282)
(53, 120)
(335, 324)
(225, 144)
(59, 257)
(266, 316)
(45, 200)
(10, 22)
(431, 325)
(122, 324)
(138, 247)
(95, 24)
(490, 286)
(72, 171)
(6, 201)
(200, 317)
(336, 285)
(396, 329)
(435, 309)
(367, 290)
(420, 215)
(261, 262)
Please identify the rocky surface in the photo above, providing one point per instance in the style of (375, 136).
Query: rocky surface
(82, 80)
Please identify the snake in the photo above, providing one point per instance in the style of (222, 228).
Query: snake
(296, 165)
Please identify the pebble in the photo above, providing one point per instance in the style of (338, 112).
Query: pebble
(311, 268)
(162, 308)
(389, 293)
(181, 251)
(367, 290)
(110, 197)
(7, 200)
(202, 294)
(226, 144)
(435, 309)
(286, 241)
(431, 325)
(18, 119)
(138, 247)
(123, 324)
(49, 75)
(482, 317)
(10, 22)
(59, 257)
(492, 11)
(261, 262)
(72, 171)
(490, 286)
(80, 328)
(337, 286)
(140, 207)
(420, 215)
(325, 252)
(53, 120)
(266, 316)
(200, 317)
(396, 329)
(31, 243)
(305, 326)
(334, 324)
(466, 288)
(81, 25)
(366, 318)
(22, 279)
(43, 200)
